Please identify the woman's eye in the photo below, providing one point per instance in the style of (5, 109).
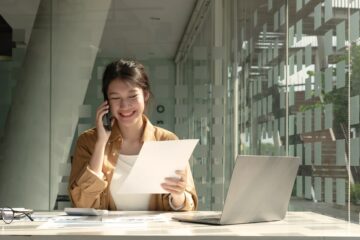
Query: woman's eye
(133, 96)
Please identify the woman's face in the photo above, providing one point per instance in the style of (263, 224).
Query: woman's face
(127, 102)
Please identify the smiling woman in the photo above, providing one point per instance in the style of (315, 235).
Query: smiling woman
(103, 158)
(127, 102)
(127, 90)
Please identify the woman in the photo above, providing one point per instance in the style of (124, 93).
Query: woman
(103, 158)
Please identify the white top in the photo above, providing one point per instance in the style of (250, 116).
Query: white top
(127, 202)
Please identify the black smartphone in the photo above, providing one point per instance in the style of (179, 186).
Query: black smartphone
(107, 121)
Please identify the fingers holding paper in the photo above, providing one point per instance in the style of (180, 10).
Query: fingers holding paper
(176, 185)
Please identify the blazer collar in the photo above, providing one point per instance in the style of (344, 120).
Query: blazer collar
(147, 135)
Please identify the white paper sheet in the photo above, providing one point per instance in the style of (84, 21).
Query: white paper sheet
(112, 220)
(157, 160)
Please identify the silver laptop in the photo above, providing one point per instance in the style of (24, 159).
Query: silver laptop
(259, 191)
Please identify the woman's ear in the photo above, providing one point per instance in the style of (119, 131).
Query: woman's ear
(146, 96)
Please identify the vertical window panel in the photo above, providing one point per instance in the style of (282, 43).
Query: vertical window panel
(308, 121)
(291, 125)
(270, 78)
(291, 65)
(318, 84)
(299, 30)
(340, 152)
(355, 146)
(340, 35)
(328, 190)
(307, 55)
(276, 20)
(291, 36)
(317, 16)
(299, 5)
(299, 60)
(299, 122)
(328, 10)
(317, 153)
(328, 42)
(340, 191)
(317, 119)
(354, 26)
(328, 80)
(282, 15)
(354, 106)
(328, 116)
(318, 189)
(308, 88)
(340, 74)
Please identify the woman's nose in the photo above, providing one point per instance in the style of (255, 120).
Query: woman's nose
(124, 103)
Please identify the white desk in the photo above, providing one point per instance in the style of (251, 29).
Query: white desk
(296, 225)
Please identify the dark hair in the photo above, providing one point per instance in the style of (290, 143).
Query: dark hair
(129, 71)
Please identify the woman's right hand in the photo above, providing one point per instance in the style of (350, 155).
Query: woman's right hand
(102, 134)
(96, 161)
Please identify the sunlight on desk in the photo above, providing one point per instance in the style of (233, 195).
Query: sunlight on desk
(151, 225)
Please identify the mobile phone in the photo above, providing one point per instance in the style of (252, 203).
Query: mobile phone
(107, 121)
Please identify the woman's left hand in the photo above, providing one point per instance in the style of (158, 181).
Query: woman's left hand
(176, 187)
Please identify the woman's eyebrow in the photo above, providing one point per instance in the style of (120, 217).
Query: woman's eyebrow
(116, 93)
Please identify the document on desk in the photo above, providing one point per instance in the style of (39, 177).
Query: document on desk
(157, 160)
(112, 220)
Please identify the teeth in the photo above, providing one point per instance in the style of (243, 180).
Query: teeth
(126, 114)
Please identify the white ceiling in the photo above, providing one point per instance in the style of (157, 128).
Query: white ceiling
(135, 28)
(145, 28)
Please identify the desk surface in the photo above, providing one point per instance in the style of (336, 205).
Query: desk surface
(150, 225)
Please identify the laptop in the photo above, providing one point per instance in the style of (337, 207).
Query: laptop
(259, 191)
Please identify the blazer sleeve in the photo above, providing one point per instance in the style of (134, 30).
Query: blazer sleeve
(191, 200)
(85, 187)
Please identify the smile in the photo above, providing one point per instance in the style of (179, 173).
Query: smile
(127, 114)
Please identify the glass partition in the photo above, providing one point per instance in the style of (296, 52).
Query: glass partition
(286, 79)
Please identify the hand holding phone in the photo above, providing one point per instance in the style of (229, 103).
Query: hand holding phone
(96, 161)
(107, 121)
(104, 121)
